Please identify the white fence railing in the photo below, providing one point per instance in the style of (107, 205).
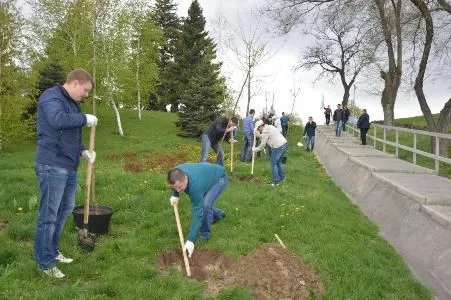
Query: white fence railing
(372, 134)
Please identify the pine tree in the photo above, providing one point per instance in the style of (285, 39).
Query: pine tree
(166, 19)
(199, 85)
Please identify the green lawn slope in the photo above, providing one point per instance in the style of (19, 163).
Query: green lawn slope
(308, 211)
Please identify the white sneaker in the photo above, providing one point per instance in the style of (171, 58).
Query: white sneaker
(54, 273)
(62, 259)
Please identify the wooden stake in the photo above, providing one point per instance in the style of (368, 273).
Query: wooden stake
(182, 241)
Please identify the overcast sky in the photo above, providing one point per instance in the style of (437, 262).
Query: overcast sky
(279, 76)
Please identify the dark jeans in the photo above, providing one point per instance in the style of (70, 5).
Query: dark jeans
(277, 171)
(211, 213)
(206, 145)
(57, 187)
(363, 132)
(344, 124)
(310, 142)
(338, 127)
(246, 153)
(284, 130)
(327, 119)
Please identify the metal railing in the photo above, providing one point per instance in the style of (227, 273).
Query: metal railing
(437, 136)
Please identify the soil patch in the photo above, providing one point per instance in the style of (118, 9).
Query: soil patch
(3, 224)
(269, 271)
(249, 178)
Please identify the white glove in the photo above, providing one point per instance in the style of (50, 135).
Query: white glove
(254, 149)
(174, 200)
(91, 120)
(91, 156)
(189, 247)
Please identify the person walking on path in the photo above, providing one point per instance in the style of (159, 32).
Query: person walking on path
(309, 133)
(203, 183)
(327, 113)
(284, 122)
(248, 133)
(59, 147)
(346, 114)
(271, 136)
(364, 124)
(212, 137)
(338, 119)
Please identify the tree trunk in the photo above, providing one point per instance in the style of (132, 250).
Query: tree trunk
(138, 87)
(442, 126)
(346, 95)
(248, 89)
(118, 116)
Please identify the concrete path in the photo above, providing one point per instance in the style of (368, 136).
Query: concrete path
(411, 205)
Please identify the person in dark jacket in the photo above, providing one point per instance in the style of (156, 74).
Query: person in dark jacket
(309, 133)
(346, 114)
(364, 124)
(212, 137)
(327, 113)
(338, 119)
(204, 183)
(284, 120)
(59, 147)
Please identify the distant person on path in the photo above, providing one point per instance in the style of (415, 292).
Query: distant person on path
(364, 124)
(338, 119)
(327, 113)
(346, 114)
(248, 134)
(284, 122)
(309, 133)
(212, 137)
(203, 183)
(271, 136)
(59, 147)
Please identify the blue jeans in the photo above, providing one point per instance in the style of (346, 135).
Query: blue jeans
(57, 188)
(206, 145)
(276, 163)
(211, 213)
(246, 153)
(338, 127)
(310, 142)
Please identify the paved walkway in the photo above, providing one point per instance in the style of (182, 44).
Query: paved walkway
(411, 205)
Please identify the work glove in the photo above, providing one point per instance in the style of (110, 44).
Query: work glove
(174, 200)
(189, 247)
(254, 149)
(91, 120)
(90, 156)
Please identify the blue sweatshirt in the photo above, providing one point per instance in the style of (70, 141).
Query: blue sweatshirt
(248, 125)
(59, 127)
(201, 178)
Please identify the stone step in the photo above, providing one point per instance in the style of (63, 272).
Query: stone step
(439, 213)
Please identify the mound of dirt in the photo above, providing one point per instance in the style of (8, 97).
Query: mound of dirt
(269, 271)
(3, 224)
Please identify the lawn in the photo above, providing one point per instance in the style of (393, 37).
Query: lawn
(308, 211)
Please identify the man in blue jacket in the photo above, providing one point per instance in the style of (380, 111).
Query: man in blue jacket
(363, 124)
(204, 183)
(248, 133)
(59, 147)
(284, 122)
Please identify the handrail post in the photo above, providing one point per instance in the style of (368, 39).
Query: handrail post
(385, 138)
(397, 142)
(414, 148)
(374, 140)
(437, 154)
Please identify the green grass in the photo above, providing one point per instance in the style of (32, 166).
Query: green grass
(308, 211)
(406, 139)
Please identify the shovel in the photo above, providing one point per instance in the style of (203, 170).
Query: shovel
(87, 240)
(179, 228)
(253, 155)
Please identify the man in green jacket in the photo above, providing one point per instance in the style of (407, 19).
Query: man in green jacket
(204, 183)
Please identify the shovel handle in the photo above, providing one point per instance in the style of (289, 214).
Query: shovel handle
(179, 228)
(253, 154)
(92, 135)
(231, 152)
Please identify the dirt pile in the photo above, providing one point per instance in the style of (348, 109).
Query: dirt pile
(269, 271)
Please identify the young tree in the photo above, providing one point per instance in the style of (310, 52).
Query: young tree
(339, 48)
(199, 86)
(165, 17)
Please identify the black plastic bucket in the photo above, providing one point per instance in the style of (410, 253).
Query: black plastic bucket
(99, 218)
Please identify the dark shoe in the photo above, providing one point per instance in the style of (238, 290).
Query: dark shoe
(218, 219)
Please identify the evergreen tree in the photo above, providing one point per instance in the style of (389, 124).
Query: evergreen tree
(199, 86)
(165, 17)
